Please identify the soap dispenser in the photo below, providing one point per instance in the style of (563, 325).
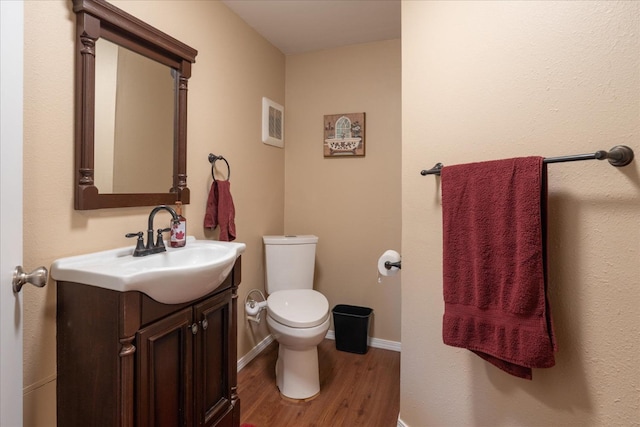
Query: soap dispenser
(179, 229)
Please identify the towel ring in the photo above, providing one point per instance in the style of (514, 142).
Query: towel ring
(212, 160)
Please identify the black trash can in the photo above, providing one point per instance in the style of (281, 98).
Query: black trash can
(351, 325)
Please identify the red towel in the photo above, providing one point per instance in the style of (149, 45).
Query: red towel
(221, 211)
(494, 263)
(211, 211)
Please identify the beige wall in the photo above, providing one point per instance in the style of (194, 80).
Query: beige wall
(234, 68)
(351, 204)
(489, 80)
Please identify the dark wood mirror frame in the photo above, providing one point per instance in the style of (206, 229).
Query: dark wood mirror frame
(96, 19)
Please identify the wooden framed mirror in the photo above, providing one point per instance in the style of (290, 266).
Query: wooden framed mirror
(144, 166)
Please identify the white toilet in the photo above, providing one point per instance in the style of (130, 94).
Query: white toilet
(297, 316)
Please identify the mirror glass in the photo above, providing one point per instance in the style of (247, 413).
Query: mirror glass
(134, 122)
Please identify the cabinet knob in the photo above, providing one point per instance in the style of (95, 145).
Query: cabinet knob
(204, 323)
(194, 328)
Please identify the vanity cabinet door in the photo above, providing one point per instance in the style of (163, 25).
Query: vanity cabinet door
(164, 372)
(211, 363)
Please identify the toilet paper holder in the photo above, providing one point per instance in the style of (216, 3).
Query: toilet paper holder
(389, 265)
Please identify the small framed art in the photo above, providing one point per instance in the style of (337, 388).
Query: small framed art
(344, 135)
(272, 123)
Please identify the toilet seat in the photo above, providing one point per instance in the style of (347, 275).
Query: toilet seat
(298, 308)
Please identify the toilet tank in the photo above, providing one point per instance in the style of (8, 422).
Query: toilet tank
(289, 261)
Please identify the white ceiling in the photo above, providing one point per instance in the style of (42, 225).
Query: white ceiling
(298, 26)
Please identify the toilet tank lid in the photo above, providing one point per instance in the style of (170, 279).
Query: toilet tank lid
(290, 239)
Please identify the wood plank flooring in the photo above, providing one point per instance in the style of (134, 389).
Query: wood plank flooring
(355, 390)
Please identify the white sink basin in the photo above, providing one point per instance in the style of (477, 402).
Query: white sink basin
(176, 276)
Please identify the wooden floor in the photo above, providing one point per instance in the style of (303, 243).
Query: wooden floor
(355, 390)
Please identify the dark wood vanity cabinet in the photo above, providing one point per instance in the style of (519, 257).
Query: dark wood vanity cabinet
(127, 360)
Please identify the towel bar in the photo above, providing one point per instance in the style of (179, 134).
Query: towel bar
(618, 156)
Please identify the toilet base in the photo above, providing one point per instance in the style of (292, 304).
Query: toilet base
(301, 378)
(308, 399)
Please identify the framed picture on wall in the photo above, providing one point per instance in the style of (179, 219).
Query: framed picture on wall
(344, 135)
(272, 123)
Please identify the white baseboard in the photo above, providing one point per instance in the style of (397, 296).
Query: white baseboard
(373, 342)
(255, 351)
(401, 423)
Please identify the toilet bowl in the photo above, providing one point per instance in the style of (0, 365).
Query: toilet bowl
(299, 320)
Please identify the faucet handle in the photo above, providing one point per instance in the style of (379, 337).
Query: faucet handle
(159, 240)
(139, 243)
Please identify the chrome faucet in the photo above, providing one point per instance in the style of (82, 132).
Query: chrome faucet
(152, 247)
